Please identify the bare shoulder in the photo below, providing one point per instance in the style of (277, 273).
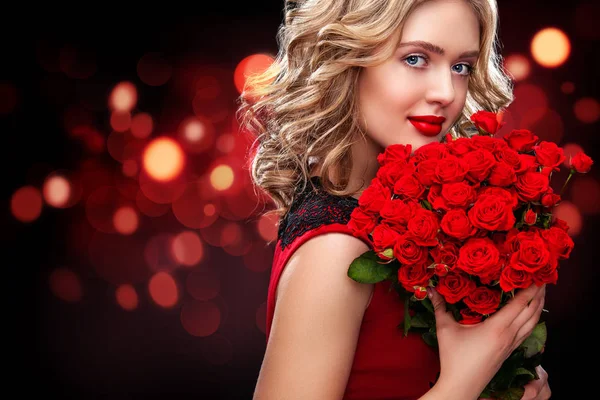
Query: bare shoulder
(315, 328)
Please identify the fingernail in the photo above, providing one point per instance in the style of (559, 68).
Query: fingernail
(429, 292)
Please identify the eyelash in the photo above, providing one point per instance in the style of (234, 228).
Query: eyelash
(469, 67)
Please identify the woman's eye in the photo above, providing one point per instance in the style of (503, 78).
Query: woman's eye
(413, 60)
(465, 70)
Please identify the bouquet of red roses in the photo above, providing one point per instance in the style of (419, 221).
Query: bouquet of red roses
(471, 217)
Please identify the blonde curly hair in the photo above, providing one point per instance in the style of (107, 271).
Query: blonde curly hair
(304, 106)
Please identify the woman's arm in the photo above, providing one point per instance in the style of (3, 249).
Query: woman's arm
(318, 314)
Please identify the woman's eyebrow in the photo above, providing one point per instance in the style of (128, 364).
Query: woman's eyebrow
(437, 49)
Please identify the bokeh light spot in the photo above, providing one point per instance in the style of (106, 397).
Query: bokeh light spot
(550, 47)
(251, 65)
(163, 159)
(163, 290)
(585, 192)
(518, 66)
(200, 318)
(142, 125)
(126, 220)
(569, 213)
(187, 248)
(222, 177)
(57, 191)
(267, 227)
(26, 204)
(127, 297)
(587, 110)
(65, 285)
(123, 97)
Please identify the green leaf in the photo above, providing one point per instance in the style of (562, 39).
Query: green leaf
(510, 394)
(524, 371)
(536, 341)
(428, 304)
(430, 338)
(407, 318)
(426, 204)
(369, 268)
(420, 320)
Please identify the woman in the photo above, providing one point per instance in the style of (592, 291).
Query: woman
(353, 77)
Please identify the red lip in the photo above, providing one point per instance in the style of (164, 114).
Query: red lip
(430, 119)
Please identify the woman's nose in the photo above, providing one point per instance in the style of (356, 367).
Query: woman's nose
(441, 88)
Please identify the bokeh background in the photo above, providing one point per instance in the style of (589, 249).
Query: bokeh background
(136, 258)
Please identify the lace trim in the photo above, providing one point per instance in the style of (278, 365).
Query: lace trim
(312, 209)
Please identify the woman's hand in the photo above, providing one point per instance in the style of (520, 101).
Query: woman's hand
(538, 389)
(470, 355)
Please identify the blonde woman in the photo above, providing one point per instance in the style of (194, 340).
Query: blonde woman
(351, 78)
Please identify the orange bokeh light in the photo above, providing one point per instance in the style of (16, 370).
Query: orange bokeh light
(130, 168)
(123, 97)
(253, 64)
(163, 290)
(187, 248)
(126, 220)
(163, 159)
(26, 204)
(222, 177)
(57, 191)
(127, 297)
(518, 65)
(550, 47)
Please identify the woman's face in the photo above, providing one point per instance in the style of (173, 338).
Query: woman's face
(430, 79)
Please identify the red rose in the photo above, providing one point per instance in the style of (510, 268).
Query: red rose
(527, 163)
(460, 146)
(391, 172)
(456, 223)
(509, 195)
(407, 251)
(531, 186)
(458, 194)
(374, 196)
(547, 274)
(509, 156)
(521, 140)
(480, 163)
(450, 169)
(512, 278)
(445, 253)
(362, 223)
(483, 300)
(424, 226)
(477, 256)
(408, 186)
(502, 175)
(426, 171)
(384, 238)
(581, 162)
(492, 213)
(492, 274)
(488, 143)
(533, 254)
(550, 200)
(441, 269)
(486, 122)
(413, 275)
(559, 242)
(396, 213)
(430, 151)
(394, 153)
(530, 217)
(469, 317)
(561, 224)
(455, 286)
(420, 293)
(548, 154)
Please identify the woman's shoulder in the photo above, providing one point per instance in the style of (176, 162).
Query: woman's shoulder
(314, 208)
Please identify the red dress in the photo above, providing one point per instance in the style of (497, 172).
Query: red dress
(386, 364)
